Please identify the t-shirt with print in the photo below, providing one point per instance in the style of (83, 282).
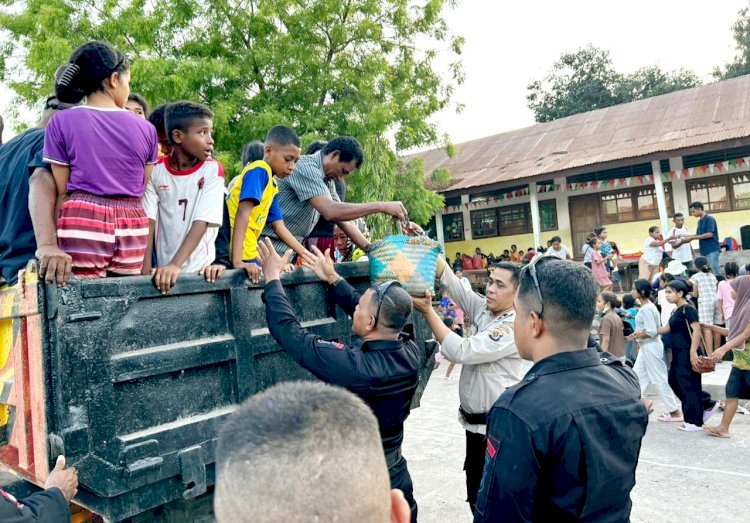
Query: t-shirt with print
(107, 150)
(711, 244)
(18, 159)
(741, 358)
(175, 199)
(257, 185)
(295, 192)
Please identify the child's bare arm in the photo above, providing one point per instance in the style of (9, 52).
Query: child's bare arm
(287, 237)
(149, 248)
(241, 219)
(61, 174)
(166, 277)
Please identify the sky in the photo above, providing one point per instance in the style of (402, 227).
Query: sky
(510, 43)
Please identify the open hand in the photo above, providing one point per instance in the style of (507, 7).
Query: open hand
(54, 264)
(270, 261)
(423, 304)
(212, 272)
(322, 265)
(65, 479)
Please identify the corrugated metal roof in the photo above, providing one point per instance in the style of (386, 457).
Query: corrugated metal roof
(703, 115)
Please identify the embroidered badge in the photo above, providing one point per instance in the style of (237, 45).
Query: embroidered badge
(496, 333)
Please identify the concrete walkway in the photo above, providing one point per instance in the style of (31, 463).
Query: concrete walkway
(681, 477)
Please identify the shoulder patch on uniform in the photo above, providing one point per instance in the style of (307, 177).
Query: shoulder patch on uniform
(332, 344)
(495, 333)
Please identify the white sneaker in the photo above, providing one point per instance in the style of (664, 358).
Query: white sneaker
(689, 427)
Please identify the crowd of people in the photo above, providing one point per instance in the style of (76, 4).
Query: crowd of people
(103, 186)
(113, 188)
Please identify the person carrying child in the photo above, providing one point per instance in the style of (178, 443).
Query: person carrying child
(101, 156)
(253, 200)
(184, 198)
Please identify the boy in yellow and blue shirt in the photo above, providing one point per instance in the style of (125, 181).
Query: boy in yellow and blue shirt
(252, 200)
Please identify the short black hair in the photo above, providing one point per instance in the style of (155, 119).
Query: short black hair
(349, 149)
(696, 205)
(555, 239)
(157, 118)
(87, 68)
(315, 146)
(678, 215)
(396, 308)
(282, 135)
(599, 230)
(448, 321)
(653, 228)
(252, 152)
(140, 100)
(513, 268)
(569, 293)
(628, 301)
(180, 115)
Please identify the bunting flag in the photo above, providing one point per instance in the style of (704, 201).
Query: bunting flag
(558, 187)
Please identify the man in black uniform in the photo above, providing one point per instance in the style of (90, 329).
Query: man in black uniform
(563, 444)
(381, 367)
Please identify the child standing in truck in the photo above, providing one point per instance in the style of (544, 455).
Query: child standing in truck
(252, 200)
(101, 157)
(184, 197)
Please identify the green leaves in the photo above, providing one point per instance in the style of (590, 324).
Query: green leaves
(586, 80)
(326, 67)
(741, 63)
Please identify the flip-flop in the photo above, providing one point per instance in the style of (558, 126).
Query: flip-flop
(667, 418)
(713, 432)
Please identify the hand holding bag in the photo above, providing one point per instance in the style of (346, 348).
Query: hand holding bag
(705, 364)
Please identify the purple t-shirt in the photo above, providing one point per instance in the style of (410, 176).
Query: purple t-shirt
(107, 150)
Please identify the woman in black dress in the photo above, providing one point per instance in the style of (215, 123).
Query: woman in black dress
(685, 333)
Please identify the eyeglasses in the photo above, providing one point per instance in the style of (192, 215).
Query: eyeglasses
(380, 290)
(531, 269)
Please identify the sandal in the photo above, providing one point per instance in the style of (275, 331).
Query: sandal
(712, 431)
(649, 405)
(667, 417)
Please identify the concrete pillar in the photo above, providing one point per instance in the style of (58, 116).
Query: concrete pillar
(439, 227)
(563, 213)
(467, 217)
(536, 226)
(661, 201)
(679, 187)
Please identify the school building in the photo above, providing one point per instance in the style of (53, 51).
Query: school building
(626, 167)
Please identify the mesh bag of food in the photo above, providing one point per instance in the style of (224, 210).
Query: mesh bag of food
(411, 260)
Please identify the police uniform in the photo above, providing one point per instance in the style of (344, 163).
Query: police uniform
(45, 505)
(563, 444)
(491, 364)
(384, 373)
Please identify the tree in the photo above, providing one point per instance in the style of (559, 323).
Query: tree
(324, 67)
(741, 63)
(587, 80)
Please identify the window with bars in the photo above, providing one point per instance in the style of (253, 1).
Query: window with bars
(721, 193)
(514, 219)
(484, 223)
(548, 215)
(453, 227)
(633, 204)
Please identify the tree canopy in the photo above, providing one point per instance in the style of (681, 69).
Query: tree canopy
(364, 68)
(586, 79)
(740, 65)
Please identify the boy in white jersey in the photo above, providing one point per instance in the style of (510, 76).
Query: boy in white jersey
(184, 198)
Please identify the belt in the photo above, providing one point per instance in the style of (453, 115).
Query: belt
(473, 419)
